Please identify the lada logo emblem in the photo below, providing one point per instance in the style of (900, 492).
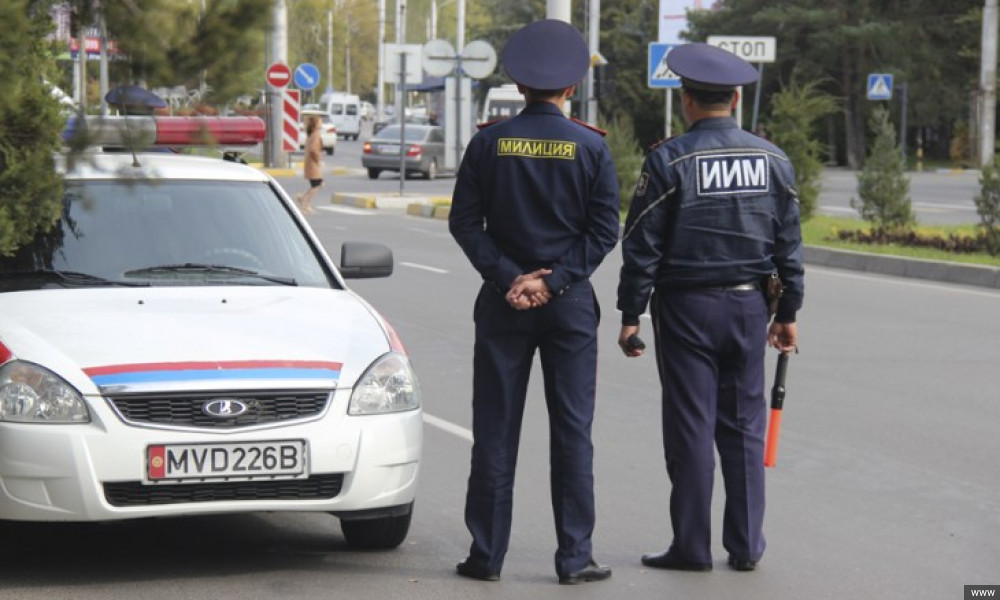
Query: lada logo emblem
(224, 408)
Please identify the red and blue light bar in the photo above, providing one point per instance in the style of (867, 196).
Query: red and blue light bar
(146, 131)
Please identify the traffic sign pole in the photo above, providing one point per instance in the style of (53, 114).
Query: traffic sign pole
(277, 75)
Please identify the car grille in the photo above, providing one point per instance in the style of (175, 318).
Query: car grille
(134, 493)
(185, 409)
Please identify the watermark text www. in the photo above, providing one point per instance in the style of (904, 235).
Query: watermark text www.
(982, 591)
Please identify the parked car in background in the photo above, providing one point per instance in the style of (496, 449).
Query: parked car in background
(423, 146)
(328, 130)
(367, 111)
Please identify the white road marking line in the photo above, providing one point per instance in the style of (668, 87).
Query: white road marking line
(424, 267)
(347, 210)
(449, 427)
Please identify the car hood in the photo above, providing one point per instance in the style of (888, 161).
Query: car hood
(194, 338)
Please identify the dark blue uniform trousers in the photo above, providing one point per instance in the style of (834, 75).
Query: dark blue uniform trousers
(565, 333)
(710, 352)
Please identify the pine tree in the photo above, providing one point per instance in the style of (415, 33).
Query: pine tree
(988, 204)
(883, 187)
(796, 109)
(30, 124)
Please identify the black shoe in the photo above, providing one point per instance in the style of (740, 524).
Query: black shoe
(469, 569)
(666, 560)
(592, 572)
(742, 565)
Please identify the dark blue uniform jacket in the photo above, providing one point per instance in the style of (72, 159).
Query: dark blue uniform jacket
(715, 206)
(537, 190)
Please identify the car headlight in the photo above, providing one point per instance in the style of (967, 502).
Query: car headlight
(389, 385)
(32, 394)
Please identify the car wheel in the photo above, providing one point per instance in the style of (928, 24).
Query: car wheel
(383, 533)
(432, 170)
(329, 151)
(373, 173)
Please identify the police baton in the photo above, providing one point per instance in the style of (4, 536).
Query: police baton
(777, 401)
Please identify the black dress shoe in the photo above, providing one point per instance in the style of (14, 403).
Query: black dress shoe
(592, 572)
(742, 565)
(469, 569)
(666, 560)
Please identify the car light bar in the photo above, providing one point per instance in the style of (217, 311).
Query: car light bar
(145, 131)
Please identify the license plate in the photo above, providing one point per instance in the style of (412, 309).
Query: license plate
(389, 150)
(233, 461)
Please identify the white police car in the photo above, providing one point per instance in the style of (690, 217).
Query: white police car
(180, 343)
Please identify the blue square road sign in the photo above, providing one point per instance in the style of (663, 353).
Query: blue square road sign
(660, 75)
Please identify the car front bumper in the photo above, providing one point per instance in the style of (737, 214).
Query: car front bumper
(51, 472)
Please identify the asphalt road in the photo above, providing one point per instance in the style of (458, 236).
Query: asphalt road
(938, 197)
(886, 484)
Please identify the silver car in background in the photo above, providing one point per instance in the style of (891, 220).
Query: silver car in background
(423, 146)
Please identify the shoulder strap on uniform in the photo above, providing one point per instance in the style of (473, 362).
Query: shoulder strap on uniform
(481, 126)
(600, 132)
(663, 141)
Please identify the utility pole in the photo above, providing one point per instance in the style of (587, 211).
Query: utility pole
(593, 33)
(380, 93)
(279, 53)
(329, 50)
(988, 85)
(559, 9)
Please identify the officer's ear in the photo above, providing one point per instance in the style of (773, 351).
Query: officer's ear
(735, 101)
(568, 92)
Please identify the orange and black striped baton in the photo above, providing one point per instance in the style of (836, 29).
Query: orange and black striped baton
(777, 402)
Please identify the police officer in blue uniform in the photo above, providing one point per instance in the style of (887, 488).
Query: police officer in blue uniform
(715, 212)
(535, 209)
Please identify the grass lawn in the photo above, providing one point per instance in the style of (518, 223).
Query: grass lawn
(822, 231)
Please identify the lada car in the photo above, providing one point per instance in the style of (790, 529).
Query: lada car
(180, 343)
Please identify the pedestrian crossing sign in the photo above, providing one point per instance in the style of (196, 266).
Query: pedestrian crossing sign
(879, 86)
(660, 75)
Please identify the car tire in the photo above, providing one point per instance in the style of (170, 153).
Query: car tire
(383, 533)
(432, 170)
(329, 151)
(373, 173)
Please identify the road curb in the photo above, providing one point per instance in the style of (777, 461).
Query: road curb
(931, 270)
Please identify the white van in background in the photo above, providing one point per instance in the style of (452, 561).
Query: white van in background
(345, 113)
(504, 101)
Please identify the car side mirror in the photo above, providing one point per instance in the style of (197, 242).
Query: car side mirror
(362, 260)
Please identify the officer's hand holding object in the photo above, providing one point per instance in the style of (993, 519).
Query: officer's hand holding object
(630, 342)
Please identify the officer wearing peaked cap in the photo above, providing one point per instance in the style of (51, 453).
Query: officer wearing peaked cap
(535, 209)
(715, 213)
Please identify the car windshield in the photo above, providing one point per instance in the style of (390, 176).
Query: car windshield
(391, 134)
(168, 233)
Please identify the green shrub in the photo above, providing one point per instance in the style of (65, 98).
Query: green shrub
(988, 204)
(627, 155)
(883, 187)
(796, 108)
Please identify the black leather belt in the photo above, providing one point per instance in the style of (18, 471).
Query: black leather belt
(748, 286)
